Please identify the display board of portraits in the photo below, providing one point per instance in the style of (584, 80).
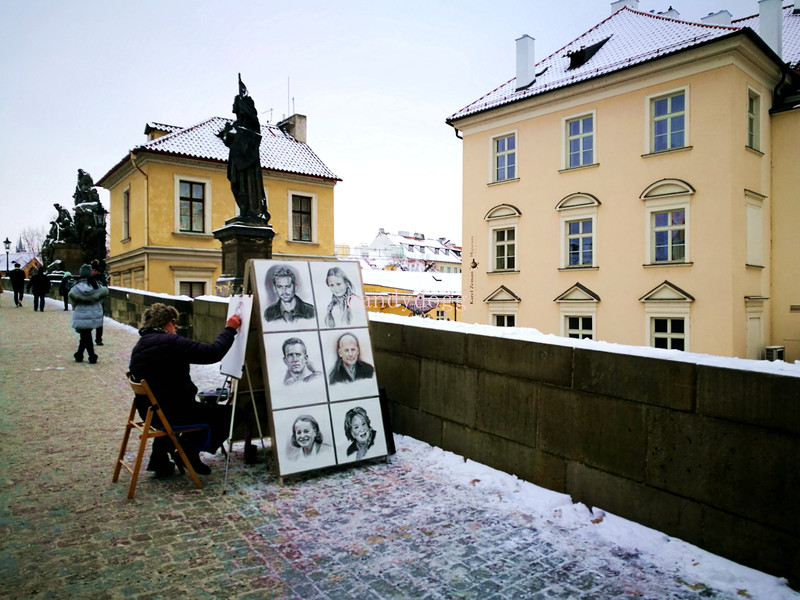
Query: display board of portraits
(318, 363)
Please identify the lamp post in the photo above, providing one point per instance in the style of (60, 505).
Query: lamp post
(7, 244)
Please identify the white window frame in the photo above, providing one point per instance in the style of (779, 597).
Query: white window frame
(193, 275)
(493, 157)
(314, 210)
(493, 318)
(754, 315)
(753, 140)
(657, 205)
(667, 310)
(650, 101)
(580, 310)
(754, 220)
(126, 213)
(577, 207)
(207, 204)
(565, 139)
(503, 216)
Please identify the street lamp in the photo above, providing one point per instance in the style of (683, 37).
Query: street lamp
(7, 244)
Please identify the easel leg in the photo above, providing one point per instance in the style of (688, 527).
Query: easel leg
(255, 410)
(234, 393)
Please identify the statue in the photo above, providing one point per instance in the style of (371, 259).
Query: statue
(243, 137)
(84, 190)
(64, 225)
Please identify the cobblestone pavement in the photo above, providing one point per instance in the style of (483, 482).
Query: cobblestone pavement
(396, 530)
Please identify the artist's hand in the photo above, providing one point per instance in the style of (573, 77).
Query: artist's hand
(234, 322)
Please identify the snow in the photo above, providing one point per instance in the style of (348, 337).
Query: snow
(777, 367)
(597, 529)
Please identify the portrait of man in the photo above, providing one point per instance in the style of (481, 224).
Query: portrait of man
(298, 367)
(348, 366)
(289, 307)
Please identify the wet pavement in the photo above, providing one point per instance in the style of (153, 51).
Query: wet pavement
(406, 528)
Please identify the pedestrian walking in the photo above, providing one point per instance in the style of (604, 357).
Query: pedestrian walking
(87, 311)
(17, 277)
(101, 278)
(67, 281)
(39, 285)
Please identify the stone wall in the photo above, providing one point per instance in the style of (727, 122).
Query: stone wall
(707, 454)
(710, 455)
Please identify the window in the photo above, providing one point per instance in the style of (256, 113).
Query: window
(440, 315)
(668, 222)
(668, 122)
(505, 320)
(505, 249)
(126, 213)
(667, 309)
(192, 206)
(505, 157)
(578, 225)
(669, 236)
(302, 218)
(668, 332)
(753, 120)
(755, 229)
(580, 141)
(192, 289)
(579, 243)
(579, 327)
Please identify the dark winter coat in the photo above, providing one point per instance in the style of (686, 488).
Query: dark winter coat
(339, 372)
(39, 284)
(66, 284)
(163, 359)
(17, 277)
(87, 304)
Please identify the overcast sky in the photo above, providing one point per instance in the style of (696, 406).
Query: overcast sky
(376, 79)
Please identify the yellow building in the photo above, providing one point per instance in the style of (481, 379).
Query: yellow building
(167, 196)
(413, 293)
(640, 186)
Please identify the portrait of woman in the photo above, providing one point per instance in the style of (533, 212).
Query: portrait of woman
(307, 440)
(338, 293)
(343, 297)
(358, 429)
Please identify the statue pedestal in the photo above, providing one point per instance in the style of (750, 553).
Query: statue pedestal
(240, 243)
(70, 255)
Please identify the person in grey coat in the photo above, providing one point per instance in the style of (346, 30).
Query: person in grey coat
(87, 310)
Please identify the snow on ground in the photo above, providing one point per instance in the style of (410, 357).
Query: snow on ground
(595, 528)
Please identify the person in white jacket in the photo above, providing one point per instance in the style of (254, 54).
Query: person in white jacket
(87, 310)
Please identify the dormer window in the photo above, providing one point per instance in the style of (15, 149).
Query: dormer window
(578, 58)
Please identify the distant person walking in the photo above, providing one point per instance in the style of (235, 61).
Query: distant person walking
(17, 277)
(67, 281)
(39, 285)
(87, 311)
(100, 278)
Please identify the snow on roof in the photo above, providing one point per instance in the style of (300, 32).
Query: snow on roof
(279, 150)
(417, 281)
(427, 249)
(633, 38)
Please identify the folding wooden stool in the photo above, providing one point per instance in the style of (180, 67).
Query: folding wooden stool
(148, 431)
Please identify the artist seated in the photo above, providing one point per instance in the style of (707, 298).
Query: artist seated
(162, 358)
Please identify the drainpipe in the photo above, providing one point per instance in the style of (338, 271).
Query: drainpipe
(146, 224)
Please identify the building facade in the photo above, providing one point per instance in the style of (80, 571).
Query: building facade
(640, 185)
(168, 195)
(411, 252)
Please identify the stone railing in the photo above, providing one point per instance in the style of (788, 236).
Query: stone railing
(706, 453)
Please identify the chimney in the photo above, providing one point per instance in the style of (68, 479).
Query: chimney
(670, 13)
(632, 4)
(526, 62)
(295, 126)
(721, 17)
(770, 24)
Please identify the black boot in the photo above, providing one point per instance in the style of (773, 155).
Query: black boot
(194, 459)
(159, 458)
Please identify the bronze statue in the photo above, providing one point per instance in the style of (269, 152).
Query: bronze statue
(243, 137)
(84, 189)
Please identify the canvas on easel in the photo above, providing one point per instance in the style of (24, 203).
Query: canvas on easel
(317, 362)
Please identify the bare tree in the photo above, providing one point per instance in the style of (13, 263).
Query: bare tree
(32, 238)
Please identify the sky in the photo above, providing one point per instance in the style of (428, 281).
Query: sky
(376, 80)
